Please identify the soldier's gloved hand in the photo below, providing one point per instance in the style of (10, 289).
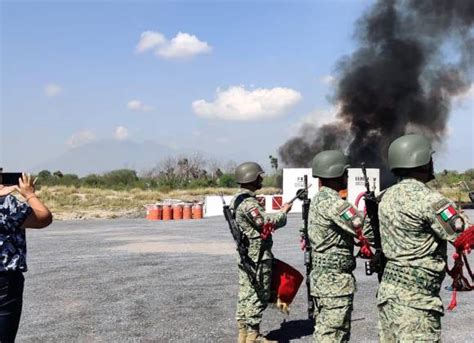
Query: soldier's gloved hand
(374, 265)
(286, 207)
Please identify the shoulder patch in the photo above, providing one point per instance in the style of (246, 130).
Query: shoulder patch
(349, 214)
(255, 216)
(346, 208)
(343, 208)
(440, 205)
(447, 216)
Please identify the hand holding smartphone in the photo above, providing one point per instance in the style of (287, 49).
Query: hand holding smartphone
(10, 179)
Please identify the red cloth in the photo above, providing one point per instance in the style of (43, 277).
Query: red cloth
(286, 281)
(465, 241)
(463, 244)
(363, 243)
(268, 229)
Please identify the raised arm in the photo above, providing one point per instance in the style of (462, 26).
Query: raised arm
(40, 215)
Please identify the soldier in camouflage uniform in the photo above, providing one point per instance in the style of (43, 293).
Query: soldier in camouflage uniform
(333, 223)
(251, 217)
(415, 225)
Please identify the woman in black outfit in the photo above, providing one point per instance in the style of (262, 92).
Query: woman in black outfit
(15, 216)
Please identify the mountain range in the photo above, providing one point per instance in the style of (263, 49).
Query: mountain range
(106, 155)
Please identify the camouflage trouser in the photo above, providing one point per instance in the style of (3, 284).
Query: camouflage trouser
(253, 299)
(401, 323)
(333, 319)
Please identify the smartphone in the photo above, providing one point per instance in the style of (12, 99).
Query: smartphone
(9, 179)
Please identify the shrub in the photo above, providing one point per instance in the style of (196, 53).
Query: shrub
(227, 180)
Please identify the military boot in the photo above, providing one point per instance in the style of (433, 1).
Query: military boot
(254, 336)
(242, 331)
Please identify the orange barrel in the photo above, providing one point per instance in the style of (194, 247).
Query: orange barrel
(187, 211)
(159, 210)
(177, 211)
(277, 202)
(167, 212)
(343, 194)
(197, 211)
(148, 211)
(155, 213)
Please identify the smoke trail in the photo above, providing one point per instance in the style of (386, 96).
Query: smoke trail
(413, 56)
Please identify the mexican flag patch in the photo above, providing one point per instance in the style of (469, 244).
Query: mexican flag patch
(254, 212)
(447, 213)
(348, 214)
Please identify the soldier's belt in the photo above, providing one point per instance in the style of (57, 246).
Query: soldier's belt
(413, 278)
(340, 263)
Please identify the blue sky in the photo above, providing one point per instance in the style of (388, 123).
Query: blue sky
(72, 73)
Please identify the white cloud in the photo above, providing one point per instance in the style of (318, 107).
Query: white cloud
(80, 138)
(149, 40)
(137, 105)
(183, 45)
(121, 133)
(237, 103)
(328, 80)
(52, 89)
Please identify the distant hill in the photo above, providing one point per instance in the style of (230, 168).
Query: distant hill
(106, 155)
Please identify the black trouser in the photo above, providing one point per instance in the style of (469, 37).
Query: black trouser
(11, 301)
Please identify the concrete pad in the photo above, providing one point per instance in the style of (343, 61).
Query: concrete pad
(134, 280)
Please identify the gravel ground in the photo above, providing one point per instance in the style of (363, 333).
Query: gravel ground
(134, 280)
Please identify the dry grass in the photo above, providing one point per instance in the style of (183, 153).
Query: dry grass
(456, 194)
(82, 203)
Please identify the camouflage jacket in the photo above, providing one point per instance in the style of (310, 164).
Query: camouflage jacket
(331, 224)
(415, 226)
(331, 232)
(250, 217)
(12, 236)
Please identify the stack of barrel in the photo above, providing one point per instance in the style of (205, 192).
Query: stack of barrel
(167, 211)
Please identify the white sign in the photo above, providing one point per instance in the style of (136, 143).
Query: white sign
(356, 184)
(293, 180)
(213, 204)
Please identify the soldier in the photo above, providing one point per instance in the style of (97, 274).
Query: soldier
(251, 217)
(415, 225)
(333, 225)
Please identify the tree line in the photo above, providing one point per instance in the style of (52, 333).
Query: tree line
(197, 172)
(171, 173)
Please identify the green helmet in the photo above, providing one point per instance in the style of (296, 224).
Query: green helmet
(248, 172)
(409, 151)
(330, 164)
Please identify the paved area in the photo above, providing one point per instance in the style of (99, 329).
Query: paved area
(134, 280)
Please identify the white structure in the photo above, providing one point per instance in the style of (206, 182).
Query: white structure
(356, 184)
(213, 204)
(293, 181)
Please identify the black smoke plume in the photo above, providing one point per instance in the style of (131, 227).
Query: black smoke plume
(413, 57)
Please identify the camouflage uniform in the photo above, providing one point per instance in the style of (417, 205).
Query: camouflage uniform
(332, 222)
(253, 299)
(414, 236)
